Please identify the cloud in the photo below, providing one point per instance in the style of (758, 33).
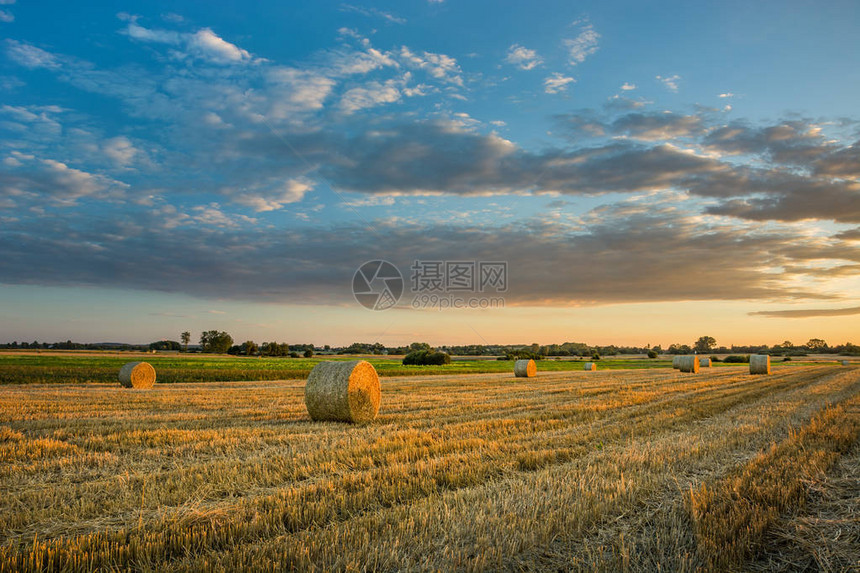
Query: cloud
(727, 95)
(630, 240)
(370, 95)
(627, 87)
(658, 126)
(120, 150)
(203, 44)
(522, 57)
(373, 12)
(25, 178)
(439, 66)
(272, 195)
(808, 312)
(583, 45)
(30, 56)
(557, 83)
(670, 82)
(6, 16)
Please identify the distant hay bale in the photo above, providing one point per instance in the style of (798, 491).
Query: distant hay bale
(689, 363)
(676, 362)
(343, 391)
(705, 362)
(846, 363)
(140, 375)
(590, 366)
(525, 368)
(759, 364)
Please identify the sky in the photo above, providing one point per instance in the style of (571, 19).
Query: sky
(645, 173)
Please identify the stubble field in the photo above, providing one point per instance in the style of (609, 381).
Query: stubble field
(611, 470)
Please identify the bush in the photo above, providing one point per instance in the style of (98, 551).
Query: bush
(426, 358)
(309, 353)
(595, 356)
(734, 358)
(787, 359)
(715, 359)
(652, 354)
(294, 354)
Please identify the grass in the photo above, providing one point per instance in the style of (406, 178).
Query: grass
(568, 471)
(86, 368)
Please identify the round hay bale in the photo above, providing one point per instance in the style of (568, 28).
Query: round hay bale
(525, 368)
(140, 375)
(705, 362)
(846, 363)
(689, 363)
(676, 362)
(759, 364)
(590, 366)
(343, 391)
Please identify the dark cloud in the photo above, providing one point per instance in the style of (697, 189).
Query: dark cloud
(628, 253)
(808, 313)
(658, 126)
(790, 142)
(842, 163)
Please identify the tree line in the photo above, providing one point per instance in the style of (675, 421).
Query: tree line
(220, 342)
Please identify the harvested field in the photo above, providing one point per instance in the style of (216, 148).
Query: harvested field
(601, 470)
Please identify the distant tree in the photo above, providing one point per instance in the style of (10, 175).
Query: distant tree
(164, 345)
(816, 344)
(787, 344)
(185, 337)
(215, 342)
(250, 347)
(419, 346)
(426, 357)
(652, 354)
(309, 353)
(704, 344)
(294, 354)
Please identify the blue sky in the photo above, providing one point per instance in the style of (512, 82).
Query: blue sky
(185, 166)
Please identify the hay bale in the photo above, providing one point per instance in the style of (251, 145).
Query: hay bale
(676, 362)
(140, 375)
(525, 368)
(705, 362)
(846, 363)
(689, 363)
(343, 391)
(590, 366)
(759, 364)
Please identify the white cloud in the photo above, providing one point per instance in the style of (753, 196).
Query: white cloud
(583, 45)
(55, 180)
(370, 95)
(387, 16)
(727, 94)
(628, 87)
(7, 17)
(6, 2)
(671, 82)
(275, 196)
(210, 46)
(556, 83)
(522, 57)
(296, 91)
(120, 150)
(439, 66)
(373, 201)
(30, 56)
(203, 44)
